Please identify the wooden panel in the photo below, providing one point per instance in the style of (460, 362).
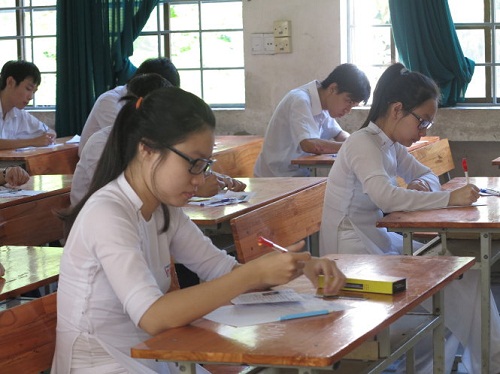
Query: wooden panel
(286, 221)
(28, 336)
(58, 162)
(239, 161)
(33, 222)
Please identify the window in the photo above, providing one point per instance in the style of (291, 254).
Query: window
(204, 39)
(370, 44)
(29, 33)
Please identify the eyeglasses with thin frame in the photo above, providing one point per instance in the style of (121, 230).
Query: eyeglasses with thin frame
(424, 124)
(198, 165)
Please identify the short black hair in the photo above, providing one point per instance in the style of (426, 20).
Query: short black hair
(351, 80)
(162, 66)
(19, 70)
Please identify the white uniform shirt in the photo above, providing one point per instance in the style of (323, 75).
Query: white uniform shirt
(103, 113)
(362, 186)
(85, 168)
(297, 117)
(115, 265)
(19, 124)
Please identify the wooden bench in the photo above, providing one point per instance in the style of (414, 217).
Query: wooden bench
(285, 221)
(28, 336)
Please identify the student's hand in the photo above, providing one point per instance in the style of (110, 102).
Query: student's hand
(230, 183)
(419, 185)
(43, 140)
(465, 195)
(334, 278)
(277, 268)
(16, 176)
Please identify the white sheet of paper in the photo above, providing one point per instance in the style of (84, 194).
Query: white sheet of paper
(74, 139)
(254, 314)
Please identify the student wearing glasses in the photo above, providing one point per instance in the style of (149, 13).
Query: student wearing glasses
(114, 283)
(304, 121)
(19, 80)
(362, 186)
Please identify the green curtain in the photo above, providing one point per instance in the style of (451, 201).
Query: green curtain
(427, 42)
(94, 42)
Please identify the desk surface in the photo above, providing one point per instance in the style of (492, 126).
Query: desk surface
(224, 143)
(266, 191)
(316, 341)
(13, 155)
(329, 159)
(472, 217)
(28, 268)
(50, 184)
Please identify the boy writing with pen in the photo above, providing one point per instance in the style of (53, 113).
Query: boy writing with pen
(19, 80)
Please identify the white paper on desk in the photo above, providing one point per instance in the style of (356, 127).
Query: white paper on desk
(73, 140)
(254, 314)
(14, 192)
(222, 198)
(31, 148)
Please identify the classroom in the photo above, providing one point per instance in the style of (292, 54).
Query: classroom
(317, 42)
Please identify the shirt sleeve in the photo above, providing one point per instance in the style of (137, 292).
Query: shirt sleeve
(301, 120)
(190, 247)
(370, 170)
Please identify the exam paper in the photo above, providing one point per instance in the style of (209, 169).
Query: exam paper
(16, 192)
(222, 198)
(74, 139)
(254, 314)
(282, 296)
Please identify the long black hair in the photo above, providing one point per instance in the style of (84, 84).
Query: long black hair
(398, 84)
(165, 117)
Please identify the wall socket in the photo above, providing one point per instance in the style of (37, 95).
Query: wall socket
(283, 45)
(282, 28)
(263, 44)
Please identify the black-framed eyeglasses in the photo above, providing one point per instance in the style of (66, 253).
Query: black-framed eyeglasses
(424, 124)
(198, 165)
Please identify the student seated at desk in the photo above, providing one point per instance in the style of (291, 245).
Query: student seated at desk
(115, 269)
(108, 104)
(138, 86)
(13, 176)
(362, 186)
(304, 121)
(19, 80)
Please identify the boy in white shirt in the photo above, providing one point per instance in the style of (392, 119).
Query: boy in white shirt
(19, 80)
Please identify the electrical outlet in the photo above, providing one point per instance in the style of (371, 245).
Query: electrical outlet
(282, 28)
(282, 45)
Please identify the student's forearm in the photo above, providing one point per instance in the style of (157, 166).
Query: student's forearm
(14, 143)
(320, 146)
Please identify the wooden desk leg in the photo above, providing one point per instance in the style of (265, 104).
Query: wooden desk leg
(438, 333)
(485, 301)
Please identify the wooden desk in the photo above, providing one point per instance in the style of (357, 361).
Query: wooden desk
(484, 221)
(61, 159)
(496, 162)
(236, 154)
(319, 342)
(27, 269)
(30, 220)
(266, 191)
(314, 162)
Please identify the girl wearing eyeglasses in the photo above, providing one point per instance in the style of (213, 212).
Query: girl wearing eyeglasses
(115, 274)
(362, 186)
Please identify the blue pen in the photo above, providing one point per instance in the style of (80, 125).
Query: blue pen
(311, 313)
(490, 191)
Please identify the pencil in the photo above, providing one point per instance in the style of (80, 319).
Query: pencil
(466, 170)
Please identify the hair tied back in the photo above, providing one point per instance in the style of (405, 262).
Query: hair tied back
(404, 71)
(138, 103)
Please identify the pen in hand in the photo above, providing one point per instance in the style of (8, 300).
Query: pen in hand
(267, 243)
(466, 170)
